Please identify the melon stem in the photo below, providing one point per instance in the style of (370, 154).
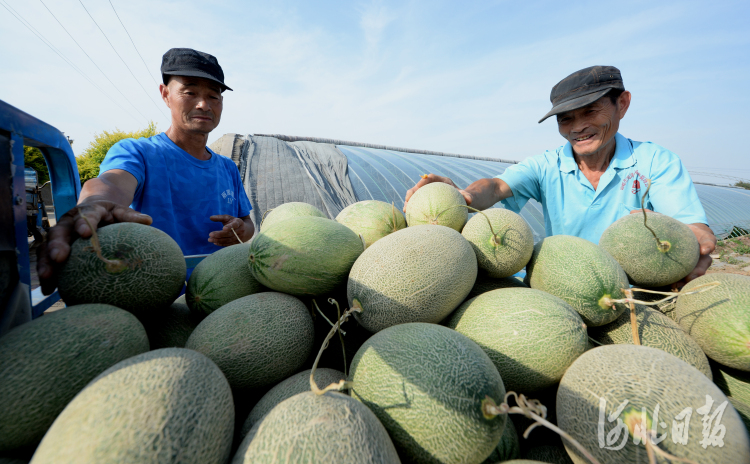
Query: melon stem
(699, 289)
(237, 236)
(652, 449)
(495, 240)
(633, 318)
(342, 384)
(112, 265)
(662, 246)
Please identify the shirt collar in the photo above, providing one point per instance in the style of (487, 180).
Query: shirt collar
(623, 155)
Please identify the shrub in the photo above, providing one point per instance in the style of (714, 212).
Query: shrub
(92, 157)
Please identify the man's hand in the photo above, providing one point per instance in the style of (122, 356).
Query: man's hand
(55, 250)
(243, 227)
(430, 178)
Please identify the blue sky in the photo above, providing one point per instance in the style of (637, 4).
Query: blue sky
(470, 77)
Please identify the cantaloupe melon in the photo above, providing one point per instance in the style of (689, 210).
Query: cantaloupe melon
(485, 283)
(581, 273)
(167, 405)
(508, 448)
(657, 331)
(256, 340)
(171, 327)
(146, 269)
(220, 278)
(437, 203)
(46, 362)
(307, 428)
(733, 382)
(718, 319)
(646, 263)
(523, 461)
(505, 253)
(743, 410)
(419, 274)
(549, 454)
(372, 219)
(427, 383)
(304, 256)
(514, 326)
(298, 383)
(290, 210)
(597, 384)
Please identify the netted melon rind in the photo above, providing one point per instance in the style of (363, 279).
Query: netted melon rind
(438, 204)
(372, 219)
(516, 241)
(289, 210)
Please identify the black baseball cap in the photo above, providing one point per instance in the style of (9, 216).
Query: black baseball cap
(189, 62)
(583, 88)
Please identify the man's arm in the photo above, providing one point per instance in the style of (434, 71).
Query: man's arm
(481, 195)
(243, 227)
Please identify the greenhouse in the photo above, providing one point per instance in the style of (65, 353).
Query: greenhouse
(332, 174)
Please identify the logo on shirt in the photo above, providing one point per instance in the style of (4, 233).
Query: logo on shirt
(638, 180)
(636, 187)
(228, 195)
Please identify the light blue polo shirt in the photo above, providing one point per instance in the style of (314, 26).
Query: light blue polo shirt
(572, 206)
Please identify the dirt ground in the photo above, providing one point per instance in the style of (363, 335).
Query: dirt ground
(732, 256)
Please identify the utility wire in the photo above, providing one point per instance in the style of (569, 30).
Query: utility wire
(90, 59)
(123, 61)
(131, 41)
(47, 43)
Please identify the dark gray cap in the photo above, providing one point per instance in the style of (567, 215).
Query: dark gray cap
(583, 88)
(189, 62)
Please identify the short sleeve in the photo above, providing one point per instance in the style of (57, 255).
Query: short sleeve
(125, 155)
(524, 181)
(672, 190)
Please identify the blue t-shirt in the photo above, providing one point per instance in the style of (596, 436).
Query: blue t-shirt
(179, 191)
(572, 206)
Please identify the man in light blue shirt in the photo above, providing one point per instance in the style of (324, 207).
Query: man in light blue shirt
(599, 175)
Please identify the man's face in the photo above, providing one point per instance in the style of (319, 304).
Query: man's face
(195, 103)
(591, 129)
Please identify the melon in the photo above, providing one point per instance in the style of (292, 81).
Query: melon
(505, 252)
(167, 405)
(307, 428)
(548, 454)
(581, 273)
(427, 384)
(437, 203)
(657, 331)
(646, 263)
(298, 383)
(514, 327)
(372, 219)
(145, 269)
(743, 410)
(290, 210)
(46, 362)
(522, 461)
(256, 340)
(508, 448)
(601, 380)
(171, 327)
(304, 256)
(718, 319)
(732, 382)
(418, 274)
(220, 278)
(485, 283)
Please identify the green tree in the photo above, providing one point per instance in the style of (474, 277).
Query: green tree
(92, 157)
(33, 158)
(744, 185)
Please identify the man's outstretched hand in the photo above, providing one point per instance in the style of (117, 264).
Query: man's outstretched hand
(243, 227)
(55, 250)
(430, 178)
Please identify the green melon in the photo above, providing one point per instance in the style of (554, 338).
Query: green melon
(146, 270)
(718, 319)
(256, 340)
(172, 327)
(372, 219)
(657, 331)
(548, 454)
(46, 362)
(506, 254)
(485, 283)
(600, 380)
(437, 203)
(427, 383)
(298, 383)
(419, 274)
(304, 256)
(514, 327)
(580, 273)
(290, 210)
(743, 410)
(522, 461)
(307, 428)
(220, 278)
(641, 257)
(167, 405)
(732, 382)
(508, 448)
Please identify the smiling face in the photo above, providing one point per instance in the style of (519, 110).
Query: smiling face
(591, 130)
(195, 103)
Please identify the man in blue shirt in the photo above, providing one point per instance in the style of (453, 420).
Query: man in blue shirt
(172, 180)
(599, 175)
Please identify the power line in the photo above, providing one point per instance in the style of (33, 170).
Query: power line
(47, 43)
(131, 41)
(89, 57)
(123, 61)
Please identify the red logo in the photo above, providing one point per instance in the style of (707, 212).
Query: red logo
(636, 187)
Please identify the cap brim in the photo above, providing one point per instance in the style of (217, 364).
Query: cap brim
(198, 74)
(576, 103)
